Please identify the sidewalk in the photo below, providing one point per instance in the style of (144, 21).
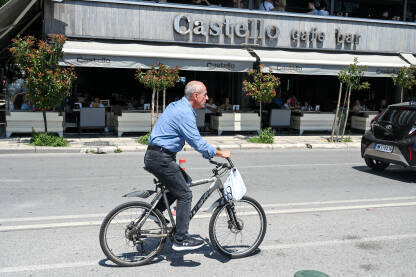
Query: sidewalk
(129, 144)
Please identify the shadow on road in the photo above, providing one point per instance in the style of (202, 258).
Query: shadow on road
(179, 259)
(397, 173)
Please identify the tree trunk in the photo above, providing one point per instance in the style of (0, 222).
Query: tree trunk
(336, 112)
(157, 105)
(260, 115)
(44, 121)
(342, 113)
(346, 115)
(164, 99)
(153, 109)
(401, 95)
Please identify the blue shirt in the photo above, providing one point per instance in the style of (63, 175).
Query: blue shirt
(177, 124)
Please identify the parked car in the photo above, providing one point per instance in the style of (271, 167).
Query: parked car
(392, 138)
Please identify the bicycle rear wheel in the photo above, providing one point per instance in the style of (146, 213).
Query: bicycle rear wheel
(238, 240)
(124, 243)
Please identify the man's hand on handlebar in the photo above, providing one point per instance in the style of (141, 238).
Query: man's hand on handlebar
(226, 154)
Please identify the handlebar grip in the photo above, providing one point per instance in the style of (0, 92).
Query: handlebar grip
(230, 162)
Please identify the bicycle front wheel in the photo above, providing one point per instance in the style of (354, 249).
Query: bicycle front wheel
(124, 243)
(238, 228)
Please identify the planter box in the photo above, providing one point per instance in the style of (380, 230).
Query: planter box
(236, 122)
(131, 121)
(362, 122)
(25, 122)
(312, 122)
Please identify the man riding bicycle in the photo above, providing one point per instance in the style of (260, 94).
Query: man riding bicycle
(174, 126)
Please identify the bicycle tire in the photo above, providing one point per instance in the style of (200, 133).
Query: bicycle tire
(223, 249)
(108, 220)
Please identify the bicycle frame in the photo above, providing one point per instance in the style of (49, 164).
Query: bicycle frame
(216, 184)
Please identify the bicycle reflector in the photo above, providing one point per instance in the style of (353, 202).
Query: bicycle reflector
(182, 163)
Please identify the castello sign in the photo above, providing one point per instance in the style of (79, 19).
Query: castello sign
(255, 31)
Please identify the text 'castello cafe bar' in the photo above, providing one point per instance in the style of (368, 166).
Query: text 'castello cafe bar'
(218, 43)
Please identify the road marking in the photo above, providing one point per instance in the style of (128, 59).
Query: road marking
(102, 215)
(268, 212)
(262, 247)
(285, 165)
(126, 177)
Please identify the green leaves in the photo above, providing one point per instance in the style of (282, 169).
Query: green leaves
(405, 77)
(266, 136)
(47, 82)
(352, 75)
(160, 77)
(262, 87)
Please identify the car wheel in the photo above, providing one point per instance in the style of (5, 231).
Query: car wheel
(376, 164)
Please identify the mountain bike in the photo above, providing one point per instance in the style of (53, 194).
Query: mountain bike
(133, 233)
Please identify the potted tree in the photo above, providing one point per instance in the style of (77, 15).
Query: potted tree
(158, 78)
(47, 82)
(405, 79)
(262, 86)
(351, 77)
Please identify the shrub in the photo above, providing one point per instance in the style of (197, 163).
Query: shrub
(347, 139)
(46, 139)
(266, 136)
(118, 150)
(144, 139)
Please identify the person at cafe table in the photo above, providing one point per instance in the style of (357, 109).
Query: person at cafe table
(96, 103)
(227, 106)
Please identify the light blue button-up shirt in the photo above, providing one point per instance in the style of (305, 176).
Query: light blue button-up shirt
(177, 124)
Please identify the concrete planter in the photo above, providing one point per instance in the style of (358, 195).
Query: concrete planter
(236, 122)
(133, 122)
(312, 122)
(25, 122)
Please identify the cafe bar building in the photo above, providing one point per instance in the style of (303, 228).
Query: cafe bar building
(218, 43)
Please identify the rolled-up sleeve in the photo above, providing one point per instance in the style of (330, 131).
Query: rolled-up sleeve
(191, 134)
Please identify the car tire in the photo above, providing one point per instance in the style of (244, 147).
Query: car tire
(376, 164)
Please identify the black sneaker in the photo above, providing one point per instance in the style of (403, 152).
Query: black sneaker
(187, 244)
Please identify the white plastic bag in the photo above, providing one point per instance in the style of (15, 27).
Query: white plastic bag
(234, 186)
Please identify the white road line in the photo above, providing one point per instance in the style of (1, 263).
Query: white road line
(262, 247)
(102, 215)
(67, 179)
(268, 212)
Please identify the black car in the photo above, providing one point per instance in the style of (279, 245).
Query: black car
(392, 138)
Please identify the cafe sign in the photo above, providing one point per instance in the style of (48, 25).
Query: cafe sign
(255, 31)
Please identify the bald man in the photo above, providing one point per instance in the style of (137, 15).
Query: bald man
(176, 125)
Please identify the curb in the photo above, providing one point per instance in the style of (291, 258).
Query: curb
(142, 148)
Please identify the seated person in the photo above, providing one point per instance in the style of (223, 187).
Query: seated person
(287, 105)
(311, 8)
(357, 106)
(25, 105)
(266, 5)
(210, 107)
(227, 106)
(306, 107)
(80, 102)
(277, 101)
(382, 106)
(96, 103)
(17, 101)
(140, 105)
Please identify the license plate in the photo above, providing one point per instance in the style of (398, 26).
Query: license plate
(384, 148)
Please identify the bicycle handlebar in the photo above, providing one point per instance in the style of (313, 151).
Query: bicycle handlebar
(223, 164)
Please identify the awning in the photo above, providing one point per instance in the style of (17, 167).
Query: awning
(15, 17)
(409, 58)
(317, 63)
(134, 55)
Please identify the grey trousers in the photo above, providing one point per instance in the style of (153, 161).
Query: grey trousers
(165, 168)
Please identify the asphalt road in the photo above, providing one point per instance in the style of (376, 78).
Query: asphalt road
(325, 209)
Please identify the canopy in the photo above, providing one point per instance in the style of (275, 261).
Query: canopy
(135, 55)
(323, 63)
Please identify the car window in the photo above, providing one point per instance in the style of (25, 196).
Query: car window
(399, 117)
